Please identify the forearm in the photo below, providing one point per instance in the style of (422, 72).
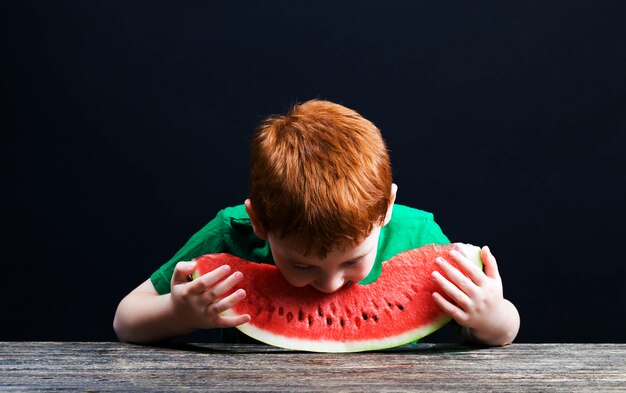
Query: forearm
(499, 333)
(145, 318)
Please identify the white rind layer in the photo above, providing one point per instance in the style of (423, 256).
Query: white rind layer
(471, 252)
(339, 346)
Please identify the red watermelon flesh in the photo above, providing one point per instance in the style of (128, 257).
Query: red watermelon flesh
(395, 310)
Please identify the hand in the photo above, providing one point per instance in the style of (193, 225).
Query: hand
(476, 301)
(201, 302)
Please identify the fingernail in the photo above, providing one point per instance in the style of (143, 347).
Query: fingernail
(226, 268)
(241, 293)
(440, 261)
(238, 275)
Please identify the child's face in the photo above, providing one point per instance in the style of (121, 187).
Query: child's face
(327, 275)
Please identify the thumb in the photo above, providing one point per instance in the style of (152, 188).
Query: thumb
(489, 261)
(183, 271)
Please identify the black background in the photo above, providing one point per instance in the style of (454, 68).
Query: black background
(125, 128)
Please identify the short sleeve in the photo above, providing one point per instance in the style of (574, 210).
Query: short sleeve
(209, 239)
(434, 234)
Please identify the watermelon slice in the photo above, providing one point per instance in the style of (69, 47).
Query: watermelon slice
(394, 310)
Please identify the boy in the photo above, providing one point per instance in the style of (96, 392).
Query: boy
(321, 208)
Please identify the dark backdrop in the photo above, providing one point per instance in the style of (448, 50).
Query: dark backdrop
(125, 127)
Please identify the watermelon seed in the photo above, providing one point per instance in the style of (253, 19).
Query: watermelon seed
(400, 307)
(364, 315)
(375, 318)
(375, 305)
(415, 288)
(389, 305)
(300, 315)
(310, 320)
(289, 316)
(329, 321)
(319, 312)
(280, 311)
(342, 322)
(408, 296)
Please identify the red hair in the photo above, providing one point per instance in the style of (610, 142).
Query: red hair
(320, 176)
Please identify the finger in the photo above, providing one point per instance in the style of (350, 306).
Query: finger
(491, 266)
(182, 271)
(227, 302)
(216, 292)
(460, 298)
(456, 277)
(473, 271)
(232, 321)
(455, 312)
(208, 280)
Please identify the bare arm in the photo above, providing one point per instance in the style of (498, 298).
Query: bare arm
(145, 316)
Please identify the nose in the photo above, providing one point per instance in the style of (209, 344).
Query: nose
(329, 284)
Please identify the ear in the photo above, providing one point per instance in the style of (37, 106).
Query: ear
(256, 224)
(392, 200)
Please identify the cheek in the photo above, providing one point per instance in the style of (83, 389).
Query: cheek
(362, 271)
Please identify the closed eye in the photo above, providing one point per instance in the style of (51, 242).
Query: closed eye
(351, 263)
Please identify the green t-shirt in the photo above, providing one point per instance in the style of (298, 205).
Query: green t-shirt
(231, 231)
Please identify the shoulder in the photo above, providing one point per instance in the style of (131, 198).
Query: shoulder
(405, 215)
(239, 236)
(409, 228)
(222, 222)
(235, 219)
(234, 213)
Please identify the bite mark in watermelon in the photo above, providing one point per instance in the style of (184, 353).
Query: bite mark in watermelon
(396, 309)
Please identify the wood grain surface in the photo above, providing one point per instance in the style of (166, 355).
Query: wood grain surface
(78, 366)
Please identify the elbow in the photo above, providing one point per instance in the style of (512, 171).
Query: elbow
(118, 327)
(512, 332)
(121, 324)
(500, 340)
(507, 339)
(509, 335)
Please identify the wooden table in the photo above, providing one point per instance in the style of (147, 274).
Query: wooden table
(45, 366)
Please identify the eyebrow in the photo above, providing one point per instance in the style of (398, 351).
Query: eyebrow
(348, 261)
